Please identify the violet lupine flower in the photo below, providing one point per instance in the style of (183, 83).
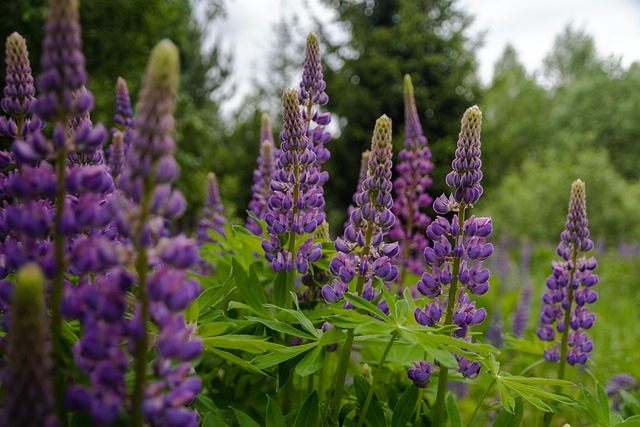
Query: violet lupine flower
(101, 307)
(460, 241)
(312, 93)
(362, 175)
(362, 252)
(262, 176)
(411, 190)
(27, 378)
(620, 382)
(19, 91)
(421, 374)
(124, 112)
(147, 182)
(569, 287)
(212, 217)
(521, 313)
(295, 208)
(117, 156)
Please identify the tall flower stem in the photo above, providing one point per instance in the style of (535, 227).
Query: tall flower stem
(142, 345)
(477, 408)
(56, 291)
(367, 402)
(291, 276)
(348, 344)
(453, 289)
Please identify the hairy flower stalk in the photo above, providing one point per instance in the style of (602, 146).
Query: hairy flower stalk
(312, 95)
(362, 253)
(295, 208)
(262, 176)
(27, 379)
(164, 293)
(411, 197)
(457, 253)
(570, 289)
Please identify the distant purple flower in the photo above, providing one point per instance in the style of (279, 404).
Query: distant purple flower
(618, 383)
(521, 313)
(212, 215)
(295, 208)
(411, 190)
(569, 288)
(262, 176)
(124, 112)
(361, 252)
(362, 175)
(495, 329)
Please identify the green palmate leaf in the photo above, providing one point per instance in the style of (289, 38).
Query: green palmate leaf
(346, 409)
(405, 407)
(281, 327)
(212, 329)
(280, 289)
(312, 362)
(366, 305)
(244, 420)
(631, 422)
(308, 414)
(279, 356)
(375, 414)
(248, 343)
(250, 288)
(332, 336)
(274, 417)
(298, 316)
(528, 389)
(508, 402)
(375, 327)
(452, 411)
(510, 419)
(238, 361)
(630, 401)
(214, 296)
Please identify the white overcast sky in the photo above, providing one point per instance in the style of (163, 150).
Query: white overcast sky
(529, 25)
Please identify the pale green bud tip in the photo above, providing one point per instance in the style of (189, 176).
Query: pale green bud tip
(312, 40)
(473, 116)
(264, 120)
(408, 86)
(382, 131)
(29, 285)
(164, 65)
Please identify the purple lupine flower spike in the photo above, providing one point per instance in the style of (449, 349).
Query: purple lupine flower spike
(312, 94)
(27, 378)
(212, 216)
(262, 176)
(19, 91)
(116, 159)
(521, 313)
(296, 204)
(124, 113)
(362, 175)
(410, 188)
(361, 251)
(618, 383)
(570, 288)
(458, 250)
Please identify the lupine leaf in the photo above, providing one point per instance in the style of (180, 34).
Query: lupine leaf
(238, 361)
(453, 412)
(405, 407)
(248, 343)
(308, 414)
(250, 288)
(508, 402)
(366, 305)
(332, 336)
(244, 420)
(281, 327)
(274, 417)
(312, 362)
(375, 414)
(279, 356)
(603, 400)
(633, 421)
(212, 329)
(507, 419)
(280, 289)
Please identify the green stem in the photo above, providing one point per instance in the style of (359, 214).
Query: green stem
(367, 401)
(419, 405)
(56, 290)
(142, 345)
(484, 396)
(291, 276)
(453, 290)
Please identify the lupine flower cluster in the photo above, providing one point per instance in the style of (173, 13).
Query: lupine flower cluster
(618, 383)
(121, 135)
(521, 314)
(262, 176)
(458, 250)
(362, 252)
(570, 287)
(295, 208)
(312, 93)
(212, 217)
(410, 188)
